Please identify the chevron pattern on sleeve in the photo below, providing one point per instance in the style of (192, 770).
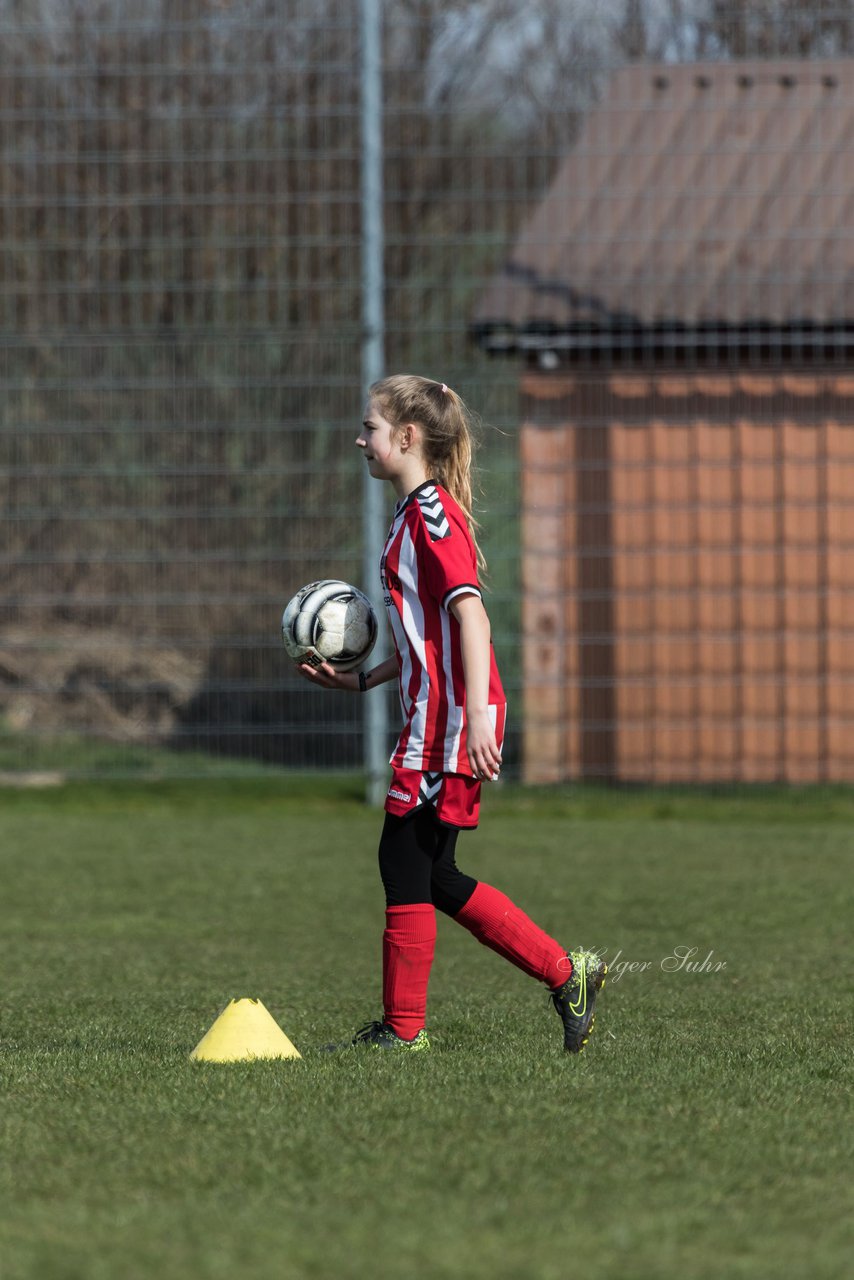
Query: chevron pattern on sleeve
(434, 514)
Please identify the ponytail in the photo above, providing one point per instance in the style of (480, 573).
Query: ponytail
(448, 434)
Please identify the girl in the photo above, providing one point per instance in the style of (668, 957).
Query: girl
(416, 435)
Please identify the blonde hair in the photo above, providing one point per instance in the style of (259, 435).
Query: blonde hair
(447, 432)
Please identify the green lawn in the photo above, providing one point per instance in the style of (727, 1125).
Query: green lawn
(702, 1135)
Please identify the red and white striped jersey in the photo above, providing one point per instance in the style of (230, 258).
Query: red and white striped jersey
(429, 559)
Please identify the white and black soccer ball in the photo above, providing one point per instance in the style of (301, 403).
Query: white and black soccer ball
(329, 621)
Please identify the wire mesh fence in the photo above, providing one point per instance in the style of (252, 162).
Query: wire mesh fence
(180, 346)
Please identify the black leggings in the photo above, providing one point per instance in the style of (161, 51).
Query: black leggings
(417, 863)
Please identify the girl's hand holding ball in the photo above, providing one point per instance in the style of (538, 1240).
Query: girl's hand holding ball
(328, 677)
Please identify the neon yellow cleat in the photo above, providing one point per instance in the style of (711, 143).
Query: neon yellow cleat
(378, 1035)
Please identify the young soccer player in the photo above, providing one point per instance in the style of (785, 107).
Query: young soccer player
(416, 435)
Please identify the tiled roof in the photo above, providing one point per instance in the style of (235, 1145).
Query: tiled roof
(714, 194)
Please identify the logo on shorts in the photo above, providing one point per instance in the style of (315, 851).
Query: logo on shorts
(405, 796)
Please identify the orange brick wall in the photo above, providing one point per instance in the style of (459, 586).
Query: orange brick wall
(688, 577)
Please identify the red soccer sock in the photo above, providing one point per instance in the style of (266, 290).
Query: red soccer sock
(498, 923)
(409, 941)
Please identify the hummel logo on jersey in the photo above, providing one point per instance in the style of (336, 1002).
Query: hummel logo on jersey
(434, 514)
(405, 796)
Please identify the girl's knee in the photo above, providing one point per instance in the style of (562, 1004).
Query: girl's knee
(451, 889)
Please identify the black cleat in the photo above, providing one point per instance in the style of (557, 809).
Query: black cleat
(379, 1035)
(575, 999)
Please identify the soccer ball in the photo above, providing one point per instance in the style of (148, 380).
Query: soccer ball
(329, 621)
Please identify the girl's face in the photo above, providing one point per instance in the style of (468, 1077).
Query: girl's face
(380, 447)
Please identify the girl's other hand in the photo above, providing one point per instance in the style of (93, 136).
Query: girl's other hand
(328, 678)
(483, 753)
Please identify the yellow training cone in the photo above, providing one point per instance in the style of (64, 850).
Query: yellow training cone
(243, 1031)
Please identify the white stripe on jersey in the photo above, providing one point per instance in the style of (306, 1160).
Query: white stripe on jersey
(400, 642)
(413, 629)
(493, 720)
(405, 660)
(455, 713)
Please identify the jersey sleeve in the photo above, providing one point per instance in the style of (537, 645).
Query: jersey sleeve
(447, 558)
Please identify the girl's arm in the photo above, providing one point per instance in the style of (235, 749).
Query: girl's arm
(329, 678)
(484, 756)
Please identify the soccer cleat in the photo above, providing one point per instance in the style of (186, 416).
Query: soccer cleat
(575, 999)
(379, 1035)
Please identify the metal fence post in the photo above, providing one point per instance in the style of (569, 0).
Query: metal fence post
(373, 356)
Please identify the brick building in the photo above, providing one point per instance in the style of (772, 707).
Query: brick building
(682, 302)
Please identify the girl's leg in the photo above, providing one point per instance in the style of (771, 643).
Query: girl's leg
(406, 852)
(495, 920)
(498, 923)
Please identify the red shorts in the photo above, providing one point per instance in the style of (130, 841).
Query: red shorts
(454, 797)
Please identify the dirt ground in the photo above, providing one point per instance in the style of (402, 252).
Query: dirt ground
(79, 680)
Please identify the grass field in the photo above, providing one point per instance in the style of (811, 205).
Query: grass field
(704, 1133)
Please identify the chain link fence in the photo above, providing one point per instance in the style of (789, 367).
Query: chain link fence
(180, 331)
